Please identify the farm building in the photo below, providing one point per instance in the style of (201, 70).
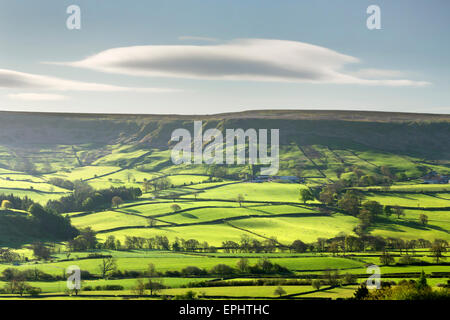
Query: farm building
(434, 178)
(292, 179)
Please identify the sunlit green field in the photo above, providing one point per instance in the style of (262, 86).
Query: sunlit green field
(210, 212)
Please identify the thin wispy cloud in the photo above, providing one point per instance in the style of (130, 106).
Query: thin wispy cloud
(242, 60)
(377, 73)
(36, 97)
(11, 79)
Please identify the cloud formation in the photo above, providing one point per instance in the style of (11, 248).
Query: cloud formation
(244, 59)
(11, 79)
(36, 97)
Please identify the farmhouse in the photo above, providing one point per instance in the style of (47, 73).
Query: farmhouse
(291, 179)
(434, 178)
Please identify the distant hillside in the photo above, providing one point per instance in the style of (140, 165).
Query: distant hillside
(422, 135)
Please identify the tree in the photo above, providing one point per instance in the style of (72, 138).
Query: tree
(388, 211)
(306, 195)
(438, 247)
(107, 266)
(298, 246)
(316, 284)
(399, 212)
(422, 284)
(362, 292)
(332, 276)
(154, 285)
(350, 203)
(162, 183)
(146, 186)
(423, 218)
(386, 258)
(151, 271)
(327, 196)
(129, 176)
(151, 222)
(321, 244)
(110, 243)
(334, 247)
(40, 251)
(88, 204)
(175, 207)
(243, 265)
(240, 198)
(222, 269)
(279, 291)
(386, 171)
(116, 201)
(6, 204)
(139, 288)
(373, 207)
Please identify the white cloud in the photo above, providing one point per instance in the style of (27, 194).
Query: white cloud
(377, 73)
(245, 59)
(19, 80)
(36, 97)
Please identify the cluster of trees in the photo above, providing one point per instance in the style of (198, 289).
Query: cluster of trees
(367, 212)
(62, 183)
(348, 243)
(16, 282)
(42, 222)
(158, 184)
(248, 244)
(217, 171)
(10, 274)
(358, 177)
(156, 243)
(342, 243)
(8, 256)
(52, 223)
(404, 290)
(13, 202)
(243, 266)
(85, 198)
(86, 240)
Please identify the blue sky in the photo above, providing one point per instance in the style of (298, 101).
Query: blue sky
(221, 56)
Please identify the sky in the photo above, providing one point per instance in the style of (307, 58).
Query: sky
(215, 56)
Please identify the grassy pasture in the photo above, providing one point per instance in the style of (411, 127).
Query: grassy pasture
(241, 291)
(214, 234)
(411, 199)
(256, 192)
(108, 219)
(415, 187)
(34, 195)
(174, 262)
(38, 186)
(165, 207)
(307, 229)
(229, 210)
(121, 155)
(83, 173)
(128, 284)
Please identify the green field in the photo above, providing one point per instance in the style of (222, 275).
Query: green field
(221, 215)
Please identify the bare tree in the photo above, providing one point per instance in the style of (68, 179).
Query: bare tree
(116, 201)
(240, 199)
(107, 266)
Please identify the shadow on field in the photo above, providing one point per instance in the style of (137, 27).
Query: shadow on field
(390, 225)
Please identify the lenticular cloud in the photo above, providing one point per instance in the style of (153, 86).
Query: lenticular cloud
(245, 60)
